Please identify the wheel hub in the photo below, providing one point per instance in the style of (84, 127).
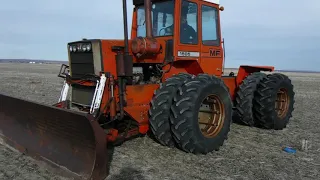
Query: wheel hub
(211, 116)
(282, 103)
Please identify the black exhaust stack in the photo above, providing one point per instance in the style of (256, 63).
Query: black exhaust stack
(124, 62)
(147, 12)
(125, 27)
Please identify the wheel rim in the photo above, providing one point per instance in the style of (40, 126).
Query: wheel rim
(211, 116)
(282, 103)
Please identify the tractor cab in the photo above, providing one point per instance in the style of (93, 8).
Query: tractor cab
(184, 30)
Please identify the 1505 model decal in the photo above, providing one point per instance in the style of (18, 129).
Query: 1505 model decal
(188, 54)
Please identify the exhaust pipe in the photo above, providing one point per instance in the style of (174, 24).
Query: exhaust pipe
(125, 27)
(147, 9)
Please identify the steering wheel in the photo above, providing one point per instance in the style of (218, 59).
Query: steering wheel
(165, 32)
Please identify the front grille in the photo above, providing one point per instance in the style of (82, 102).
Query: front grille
(82, 95)
(81, 63)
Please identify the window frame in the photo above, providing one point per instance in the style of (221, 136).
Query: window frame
(197, 18)
(152, 19)
(217, 41)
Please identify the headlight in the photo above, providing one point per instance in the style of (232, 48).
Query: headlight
(81, 47)
(84, 47)
(88, 47)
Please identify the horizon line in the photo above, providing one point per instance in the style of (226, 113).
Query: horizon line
(288, 70)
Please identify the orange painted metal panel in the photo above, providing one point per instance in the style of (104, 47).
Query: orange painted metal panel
(138, 103)
(230, 82)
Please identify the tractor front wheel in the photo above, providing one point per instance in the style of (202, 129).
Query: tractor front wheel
(159, 112)
(201, 114)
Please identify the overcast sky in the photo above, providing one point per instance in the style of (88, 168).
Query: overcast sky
(285, 33)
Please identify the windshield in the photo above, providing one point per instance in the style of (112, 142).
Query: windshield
(161, 17)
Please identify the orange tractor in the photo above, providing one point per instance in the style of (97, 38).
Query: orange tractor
(168, 79)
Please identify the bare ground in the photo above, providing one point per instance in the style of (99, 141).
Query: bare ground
(249, 153)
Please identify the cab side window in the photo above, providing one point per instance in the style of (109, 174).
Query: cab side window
(210, 35)
(189, 23)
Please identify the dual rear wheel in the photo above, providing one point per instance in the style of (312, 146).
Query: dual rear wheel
(193, 113)
(265, 101)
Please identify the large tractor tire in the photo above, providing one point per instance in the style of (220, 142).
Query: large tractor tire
(274, 101)
(244, 98)
(160, 108)
(201, 114)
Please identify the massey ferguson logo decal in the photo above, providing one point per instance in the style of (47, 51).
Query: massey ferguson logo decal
(214, 53)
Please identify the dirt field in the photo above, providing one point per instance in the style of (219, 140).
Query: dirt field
(249, 153)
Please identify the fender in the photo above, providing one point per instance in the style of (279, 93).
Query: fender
(245, 70)
(182, 66)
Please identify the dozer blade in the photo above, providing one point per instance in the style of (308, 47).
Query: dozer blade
(72, 142)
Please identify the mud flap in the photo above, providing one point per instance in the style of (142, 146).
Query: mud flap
(69, 141)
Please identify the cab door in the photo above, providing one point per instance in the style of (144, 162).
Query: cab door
(186, 35)
(210, 40)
